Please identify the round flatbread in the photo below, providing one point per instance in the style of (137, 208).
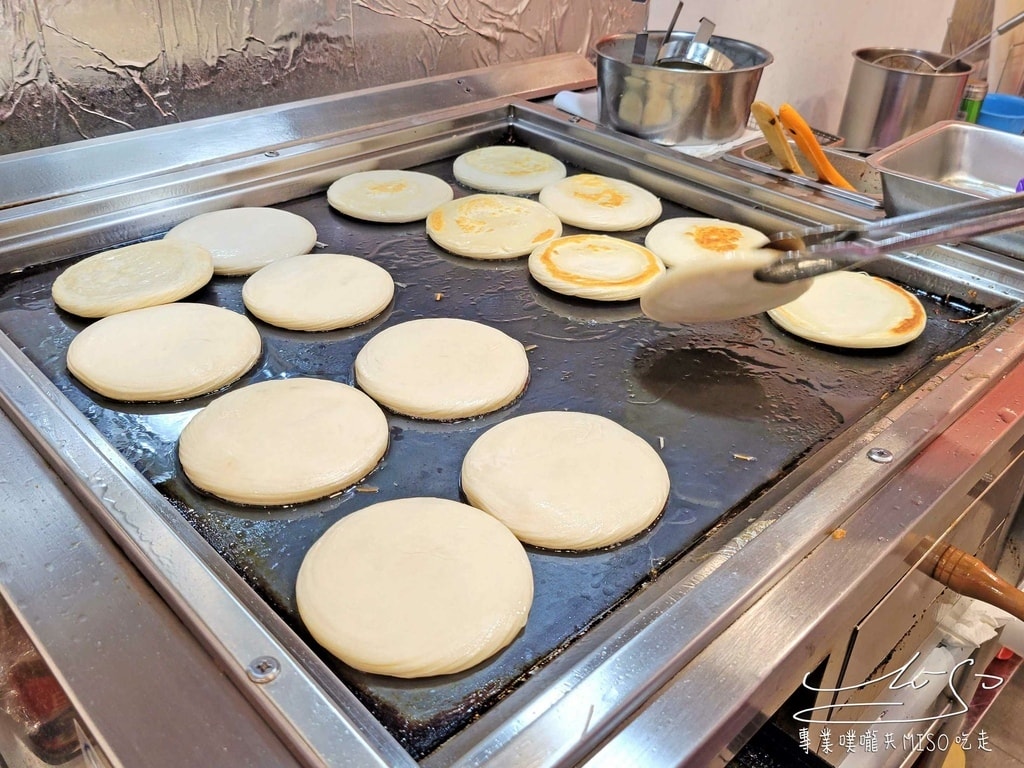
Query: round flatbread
(442, 368)
(283, 441)
(597, 267)
(388, 196)
(164, 353)
(601, 203)
(318, 292)
(492, 226)
(853, 309)
(244, 239)
(132, 277)
(566, 480)
(677, 241)
(717, 290)
(415, 587)
(507, 169)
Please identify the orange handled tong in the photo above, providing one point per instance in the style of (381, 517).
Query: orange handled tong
(770, 126)
(801, 132)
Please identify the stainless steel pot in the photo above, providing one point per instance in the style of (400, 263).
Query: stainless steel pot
(891, 95)
(674, 106)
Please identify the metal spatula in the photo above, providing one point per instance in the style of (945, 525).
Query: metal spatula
(666, 43)
(817, 250)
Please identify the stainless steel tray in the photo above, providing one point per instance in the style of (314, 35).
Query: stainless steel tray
(757, 155)
(952, 162)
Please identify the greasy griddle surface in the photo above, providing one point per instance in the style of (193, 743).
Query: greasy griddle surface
(729, 407)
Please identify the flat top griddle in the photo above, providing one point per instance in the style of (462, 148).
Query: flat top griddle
(730, 408)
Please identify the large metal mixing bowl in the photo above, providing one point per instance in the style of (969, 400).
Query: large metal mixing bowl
(677, 106)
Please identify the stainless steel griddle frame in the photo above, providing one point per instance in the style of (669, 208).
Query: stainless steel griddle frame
(679, 674)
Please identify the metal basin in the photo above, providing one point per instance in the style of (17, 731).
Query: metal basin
(867, 183)
(952, 162)
(677, 106)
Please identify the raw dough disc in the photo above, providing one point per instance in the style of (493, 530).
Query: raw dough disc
(318, 292)
(677, 241)
(442, 368)
(853, 309)
(136, 276)
(283, 441)
(492, 226)
(508, 169)
(415, 587)
(715, 291)
(597, 267)
(566, 480)
(388, 196)
(163, 353)
(244, 239)
(601, 203)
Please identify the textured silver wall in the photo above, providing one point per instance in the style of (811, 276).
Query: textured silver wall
(85, 68)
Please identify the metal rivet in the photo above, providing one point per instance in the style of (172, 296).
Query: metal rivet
(271, 153)
(263, 669)
(880, 455)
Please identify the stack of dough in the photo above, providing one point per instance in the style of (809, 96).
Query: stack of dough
(601, 203)
(388, 196)
(244, 239)
(442, 368)
(597, 267)
(853, 309)
(163, 353)
(566, 480)
(415, 587)
(136, 276)
(492, 226)
(283, 441)
(682, 240)
(508, 169)
(318, 292)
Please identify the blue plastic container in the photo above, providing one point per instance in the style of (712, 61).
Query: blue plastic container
(1003, 112)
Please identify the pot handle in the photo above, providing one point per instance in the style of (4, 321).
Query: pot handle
(970, 577)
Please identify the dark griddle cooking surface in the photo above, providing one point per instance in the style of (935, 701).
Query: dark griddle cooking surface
(734, 404)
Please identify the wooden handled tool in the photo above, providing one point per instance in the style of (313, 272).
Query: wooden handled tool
(770, 126)
(801, 132)
(970, 577)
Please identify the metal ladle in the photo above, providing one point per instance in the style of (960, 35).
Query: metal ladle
(697, 54)
(1006, 26)
(667, 41)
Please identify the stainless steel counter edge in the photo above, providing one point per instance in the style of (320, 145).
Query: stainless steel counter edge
(212, 600)
(140, 683)
(42, 174)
